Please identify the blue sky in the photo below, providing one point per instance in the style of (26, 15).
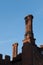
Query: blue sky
(12, 24)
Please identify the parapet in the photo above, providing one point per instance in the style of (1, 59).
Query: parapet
(7, 58)
(1, 56)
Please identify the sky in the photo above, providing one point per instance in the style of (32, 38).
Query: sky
(12, 23)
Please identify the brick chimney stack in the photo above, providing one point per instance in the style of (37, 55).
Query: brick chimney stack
(28, 23)
(15, 50)
(28, 42)
(29, 37)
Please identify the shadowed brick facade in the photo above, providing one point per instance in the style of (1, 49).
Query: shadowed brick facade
(31, 53)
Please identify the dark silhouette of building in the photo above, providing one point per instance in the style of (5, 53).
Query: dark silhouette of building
(31, 53)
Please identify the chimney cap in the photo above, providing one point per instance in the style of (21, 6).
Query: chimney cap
(28, 17)
(15, 44)
(41, 46)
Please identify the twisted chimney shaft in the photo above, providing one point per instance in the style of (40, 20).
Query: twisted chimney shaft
(15, 50)
(29, 37)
